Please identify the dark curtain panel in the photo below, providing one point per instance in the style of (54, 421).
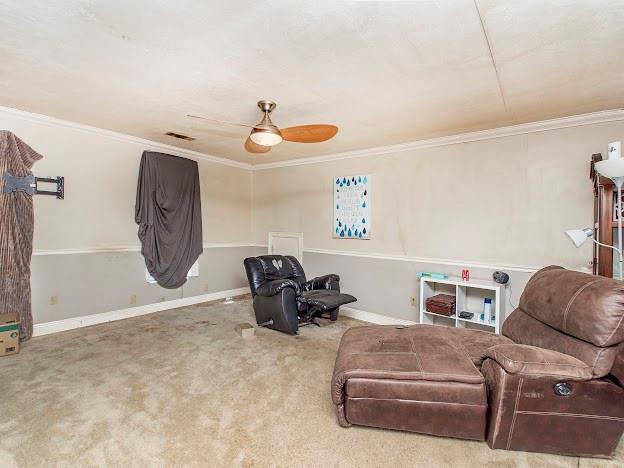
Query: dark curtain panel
(168, 212)
(16, 232)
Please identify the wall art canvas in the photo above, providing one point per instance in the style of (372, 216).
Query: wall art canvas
(352, 207)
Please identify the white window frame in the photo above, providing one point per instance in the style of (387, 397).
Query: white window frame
(193, 272)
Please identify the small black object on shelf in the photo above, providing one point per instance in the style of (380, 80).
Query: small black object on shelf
(466, 315)
(500, 277)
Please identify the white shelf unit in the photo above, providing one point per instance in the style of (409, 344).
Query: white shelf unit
(469, 296)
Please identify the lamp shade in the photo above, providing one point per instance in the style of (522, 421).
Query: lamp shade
(269, 136)
(579, 236)
(610, 168)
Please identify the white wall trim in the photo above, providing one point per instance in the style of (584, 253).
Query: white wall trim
(124, 249)
(614, 115)
(405, 258)
(37, 253)
(372, 317)
(147, 144)
(440, 261)
(47, 328)
(94, 319)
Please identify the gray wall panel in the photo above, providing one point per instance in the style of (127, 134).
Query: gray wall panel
(95, 282)
(219, 269)
(91, 283)
(386, 286)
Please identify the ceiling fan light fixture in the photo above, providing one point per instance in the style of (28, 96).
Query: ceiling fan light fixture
(265, 134)
(269, 136)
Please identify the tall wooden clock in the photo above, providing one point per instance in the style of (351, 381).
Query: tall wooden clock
(605, 219)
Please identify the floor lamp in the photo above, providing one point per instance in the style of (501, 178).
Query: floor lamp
(613, 169)
(579, 236)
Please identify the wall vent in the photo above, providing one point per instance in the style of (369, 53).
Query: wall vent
(179, 136)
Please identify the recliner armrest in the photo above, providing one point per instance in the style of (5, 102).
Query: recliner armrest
(532, 361)
(331, 281)
(271, 288)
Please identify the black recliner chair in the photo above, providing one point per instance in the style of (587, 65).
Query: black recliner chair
(282, 298)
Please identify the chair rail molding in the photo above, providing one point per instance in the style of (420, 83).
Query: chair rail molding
(405, 258)
(90, 250)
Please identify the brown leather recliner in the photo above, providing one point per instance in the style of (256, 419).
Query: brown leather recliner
(553, 382)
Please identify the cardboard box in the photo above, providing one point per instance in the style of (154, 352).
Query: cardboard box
(9, 334)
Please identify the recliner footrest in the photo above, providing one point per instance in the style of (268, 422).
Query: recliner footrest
(325, 299)
(415, 378)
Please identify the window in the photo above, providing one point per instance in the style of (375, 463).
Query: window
(194, 271)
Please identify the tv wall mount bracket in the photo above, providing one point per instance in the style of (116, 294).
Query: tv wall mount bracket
(30, 185)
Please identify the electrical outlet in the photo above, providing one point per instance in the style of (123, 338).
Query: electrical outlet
(133, 299)
(53, 300)
(413, 301)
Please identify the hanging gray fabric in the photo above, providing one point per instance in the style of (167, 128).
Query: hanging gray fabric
(168, 212)
(16, 231)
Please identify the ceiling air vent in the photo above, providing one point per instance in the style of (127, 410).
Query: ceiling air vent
(179, 136)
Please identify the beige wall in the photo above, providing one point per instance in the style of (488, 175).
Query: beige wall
(96, 219)
(503, 201)
(100, 187)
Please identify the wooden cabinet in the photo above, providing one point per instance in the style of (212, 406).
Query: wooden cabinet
(605, 194)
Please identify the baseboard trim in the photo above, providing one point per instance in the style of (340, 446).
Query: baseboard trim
(46, 328)
(371, 317)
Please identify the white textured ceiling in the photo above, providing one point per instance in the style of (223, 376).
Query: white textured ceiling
(385, 72)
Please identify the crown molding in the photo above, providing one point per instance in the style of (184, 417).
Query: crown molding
(593, 118)
(148, 144)
(614, 115)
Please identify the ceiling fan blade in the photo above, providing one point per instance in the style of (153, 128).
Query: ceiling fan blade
(309, 133)
(252, 147)
(218, 121)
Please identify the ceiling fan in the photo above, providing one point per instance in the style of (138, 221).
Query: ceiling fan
(266, 134)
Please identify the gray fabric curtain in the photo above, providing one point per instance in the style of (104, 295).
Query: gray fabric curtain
(16, 232)
(168, 212)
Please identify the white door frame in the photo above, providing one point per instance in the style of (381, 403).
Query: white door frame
(289, 235)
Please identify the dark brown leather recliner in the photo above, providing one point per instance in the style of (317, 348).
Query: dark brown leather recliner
(554, 382)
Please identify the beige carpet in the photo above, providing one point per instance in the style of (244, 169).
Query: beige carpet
(179, 388)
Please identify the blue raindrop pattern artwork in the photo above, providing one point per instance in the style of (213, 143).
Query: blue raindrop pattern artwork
(352, 213)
